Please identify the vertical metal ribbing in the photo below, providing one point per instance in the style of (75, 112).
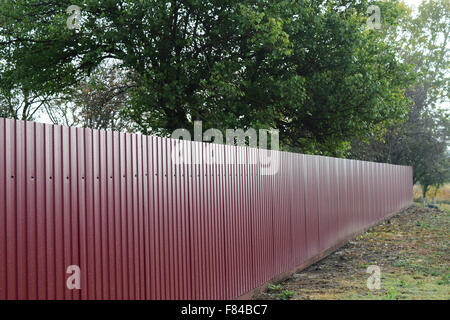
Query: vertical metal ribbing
(221, 204)
(300, 230)
(95, 228)
(134, 218)
(328, 200)
(119, 145)
(174, 204)
(145, 218)
(40, 245)
(66, 213)
(195, 252)
(30, 210)
(240, 224)
(187, 215)
(110, 228)
(140, 203)
(257, 240)
(3, 215)
(230, 223)
(74, 199)
(10, 207)
(21, 218)
(102, 199)
(309, 228)
(219, 255)
(340, 198)
(322, 204)
(86, 227)
(225, 205)
(293, 209)
(206, 221)
(80, 159)
(370, 200)
(351, 196)
(141, 227)
(377, 191)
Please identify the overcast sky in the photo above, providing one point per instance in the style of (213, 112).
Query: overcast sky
(414, 3)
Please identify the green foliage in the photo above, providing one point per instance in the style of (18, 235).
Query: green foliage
(426, 45)
(286, 295)
(98, 103)
(392, 294)
(422, 140)
(275, 287)
(309, 68)
(445, 280)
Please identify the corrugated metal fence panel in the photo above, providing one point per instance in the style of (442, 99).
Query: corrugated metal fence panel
(322, 205)
(334, 201)
(262, 232)
(312, 217)
(281, 218)
(140, 226)
(3, 249)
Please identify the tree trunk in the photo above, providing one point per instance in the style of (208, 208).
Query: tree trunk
(424, 190)
(435, 195)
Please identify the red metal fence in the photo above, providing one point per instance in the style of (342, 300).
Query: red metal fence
(140, 227)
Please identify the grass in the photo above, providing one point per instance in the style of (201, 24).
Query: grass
(412, 250)
(281, 293)
(275, 287)
(420, 272)
(444, 206)
(405, 286)
(286, 295)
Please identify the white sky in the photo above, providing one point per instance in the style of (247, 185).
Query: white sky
(413, 2)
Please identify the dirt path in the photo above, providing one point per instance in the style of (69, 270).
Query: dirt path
(412, 251)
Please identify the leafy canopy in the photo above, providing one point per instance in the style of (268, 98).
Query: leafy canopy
(310, 68)
(422, 141)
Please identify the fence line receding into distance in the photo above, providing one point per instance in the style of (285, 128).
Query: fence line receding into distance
(140, 227)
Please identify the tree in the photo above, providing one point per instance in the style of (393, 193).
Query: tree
(436, 177)
(22, 104)
(425, 43)
(97, 103)
(428, 146)
(422, 140)
(309, 68)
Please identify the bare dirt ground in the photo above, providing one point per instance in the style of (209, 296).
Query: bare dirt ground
(412, 249)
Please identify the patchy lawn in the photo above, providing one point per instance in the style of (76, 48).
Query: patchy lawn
(412, 250)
